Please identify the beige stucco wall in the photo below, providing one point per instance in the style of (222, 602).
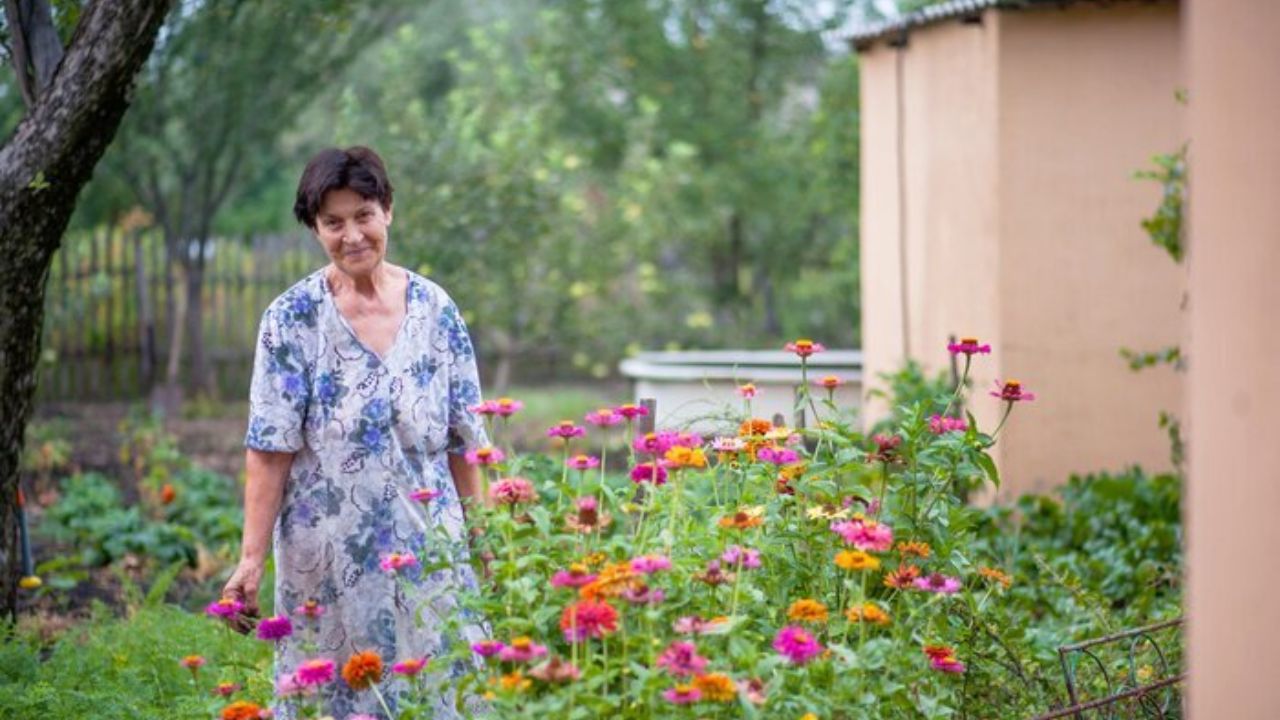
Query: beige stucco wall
(1022, 134)
(1233, 386)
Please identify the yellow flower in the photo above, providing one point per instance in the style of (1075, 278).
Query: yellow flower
(869, 612)
(30, 582)
(856, 560)
(996, 576)
(826, 512)
(807, 610)
(512, 682)
(682, 457)
(808, 716)
(915, 547)
(716, 687)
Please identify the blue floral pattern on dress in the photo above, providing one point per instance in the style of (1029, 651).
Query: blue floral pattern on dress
(366, 431)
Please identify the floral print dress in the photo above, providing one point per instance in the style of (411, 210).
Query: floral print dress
(368, 430)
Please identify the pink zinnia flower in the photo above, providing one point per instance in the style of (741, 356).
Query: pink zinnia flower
(681, 658)
(649, 564)
(485, 456)
(604, 417)
(575, 577)
(507, 407)
(287, 685)
(728, 444)
(797, 644)
(886, 448)
(588, 619)
(866, 535)
(695, 625)
(192, 663)
(655, 443)
(632, 412)
(275, 628)
(424, 495)
(649, 473)
(315, 672)
(488, 407)
(686, 439)
(410, 667)
(565, 430)
(968, 346)
(683, 694)
(642, 594)
(938, 583)
(512, 491)
(310, 609)
(395, 562)
(225, 608)
(777, 456)
(747, 391)
(943, 658)
(804, 348)
(742, 558)
(939, 424)
(226, 689)
(487, 648)
(583, 462)
(522, 649)
(830, 382)
(1011, 391)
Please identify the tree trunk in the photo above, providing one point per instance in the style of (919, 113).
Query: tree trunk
(43, 167)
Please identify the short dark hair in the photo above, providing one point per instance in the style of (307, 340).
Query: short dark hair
(355, 168)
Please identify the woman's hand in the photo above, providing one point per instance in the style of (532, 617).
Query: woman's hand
(243, 586)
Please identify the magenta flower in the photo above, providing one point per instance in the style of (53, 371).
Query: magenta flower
(656, 443)
(512, 491)
(649, 473)
(487, 648)
(796, 644)
(287, 686)
(968, 346)
(681, 658)
(742, 558)
(682, 695)
(604, 417)
(424, 495)
(1011, 391)
(938, 583)
(410, 667)
(522, 649)
(777, 456)
(276, 627)
(939, 424)
(747, 391)
(583, 462)
(395, 562)
(315, 672)
(866, 535)
(650, 564)
(631, 412)
(803, 348)
(485, 456)
(886, 448)
(686, 439)
(944, 659)
(225, 608)
(574, 577)
(565, 430)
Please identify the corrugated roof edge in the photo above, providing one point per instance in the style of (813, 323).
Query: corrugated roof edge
(951, 10)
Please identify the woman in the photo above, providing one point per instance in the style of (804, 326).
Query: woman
(362, 384)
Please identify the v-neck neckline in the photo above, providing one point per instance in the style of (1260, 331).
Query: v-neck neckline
(355, 337)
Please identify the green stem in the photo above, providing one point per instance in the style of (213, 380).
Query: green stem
(964, 377)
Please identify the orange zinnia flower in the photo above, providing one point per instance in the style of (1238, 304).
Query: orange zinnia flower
(363, 670)
(755, 427)
(903, 577)
(807, 610)
(614, 580)
(914, 548)
(868, 612)
(241, 710)
(743, 519)
(716, 687)
(856, 560)
(996, 575)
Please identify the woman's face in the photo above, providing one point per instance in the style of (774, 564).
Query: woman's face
(353, 231)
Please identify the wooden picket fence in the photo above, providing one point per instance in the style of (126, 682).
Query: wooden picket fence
(106, 334)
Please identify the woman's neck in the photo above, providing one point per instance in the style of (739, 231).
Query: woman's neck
(370, 286)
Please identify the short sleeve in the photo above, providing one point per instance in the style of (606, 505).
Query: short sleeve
(466, 427)
(279, 391)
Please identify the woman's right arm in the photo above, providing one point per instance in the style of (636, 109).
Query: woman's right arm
(265, 476)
